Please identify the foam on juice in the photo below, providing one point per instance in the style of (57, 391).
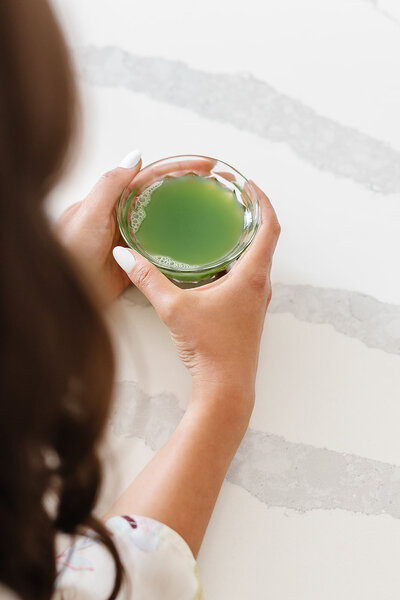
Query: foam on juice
(170, 263)
(138, 215)
(185, 222)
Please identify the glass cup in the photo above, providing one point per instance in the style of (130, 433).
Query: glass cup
(206, 167)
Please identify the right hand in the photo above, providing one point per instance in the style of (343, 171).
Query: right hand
(217, 328)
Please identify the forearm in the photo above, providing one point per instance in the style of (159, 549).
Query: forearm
(180, 485)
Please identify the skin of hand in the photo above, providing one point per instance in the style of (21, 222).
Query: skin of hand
(89, 230)
(217, 330)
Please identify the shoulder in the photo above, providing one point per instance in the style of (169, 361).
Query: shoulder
(158, 563)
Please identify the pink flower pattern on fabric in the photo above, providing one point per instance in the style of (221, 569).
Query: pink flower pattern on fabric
(158, 563)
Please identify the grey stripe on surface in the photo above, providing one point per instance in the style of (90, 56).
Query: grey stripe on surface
(386, 12)
(273, 470)
(252, 105)
(374, 323)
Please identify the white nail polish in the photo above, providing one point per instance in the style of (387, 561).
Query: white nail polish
(124, 258)
(131, 159)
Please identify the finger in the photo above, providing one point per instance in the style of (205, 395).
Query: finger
(110, 186)
(157, 288)
(153, 172)
(258, 256)
(226, 175)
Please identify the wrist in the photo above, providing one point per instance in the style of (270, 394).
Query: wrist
(235, 386)
(228, 404)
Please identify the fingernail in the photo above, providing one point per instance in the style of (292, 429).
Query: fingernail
(124, 258)
(131, 159)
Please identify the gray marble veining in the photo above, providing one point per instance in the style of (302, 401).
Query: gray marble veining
(302, 477)
(138, 414)
(375, 323)
(252, 105)
(275, 471)
(383, 11)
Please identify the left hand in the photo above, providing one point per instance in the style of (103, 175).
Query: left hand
(89, 230)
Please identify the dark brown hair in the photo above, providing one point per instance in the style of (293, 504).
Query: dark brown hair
(57, 362)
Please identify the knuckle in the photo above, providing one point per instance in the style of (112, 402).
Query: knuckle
(258, 281)
(108, 176)
(71, 210)
(276, 227)
(143, 276)
(172, 305)
(74, 207)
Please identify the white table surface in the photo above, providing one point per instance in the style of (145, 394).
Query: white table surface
(303, 98)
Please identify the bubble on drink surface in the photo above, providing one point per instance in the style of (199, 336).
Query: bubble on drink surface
(170, 263)
(138, 213)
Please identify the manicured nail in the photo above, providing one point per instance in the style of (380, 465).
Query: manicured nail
(124, 258)
(131, 159)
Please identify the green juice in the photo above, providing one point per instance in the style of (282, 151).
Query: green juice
(187, 221)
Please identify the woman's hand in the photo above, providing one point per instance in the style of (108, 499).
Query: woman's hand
(89, 229)
(217, 330)
(217, 327)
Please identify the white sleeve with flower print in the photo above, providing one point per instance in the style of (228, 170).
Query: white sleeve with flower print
(158, 564)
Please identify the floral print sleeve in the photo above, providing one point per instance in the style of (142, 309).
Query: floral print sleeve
(158, 564)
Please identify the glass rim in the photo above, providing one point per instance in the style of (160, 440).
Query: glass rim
(225, 260)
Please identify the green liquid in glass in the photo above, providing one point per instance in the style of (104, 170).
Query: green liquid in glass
(187, 221)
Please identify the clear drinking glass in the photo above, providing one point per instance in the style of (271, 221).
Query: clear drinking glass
(205, 167)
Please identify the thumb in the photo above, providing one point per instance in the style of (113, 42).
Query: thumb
(110, 186)
(157, 288)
